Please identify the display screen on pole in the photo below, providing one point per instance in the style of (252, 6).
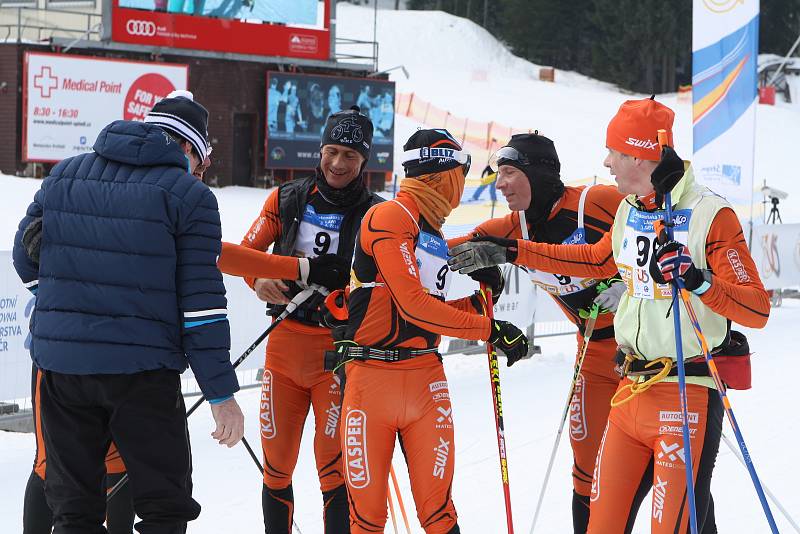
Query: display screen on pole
(286, 28)
(298, 104)
(68, 100)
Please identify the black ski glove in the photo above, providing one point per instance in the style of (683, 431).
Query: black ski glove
(480, 252)
(329, 270)
(32, 239)
(492, 277)
(510, 340)
(672, 260)
(667, 173)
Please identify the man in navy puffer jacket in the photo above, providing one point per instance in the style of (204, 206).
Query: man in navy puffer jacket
(128, 295)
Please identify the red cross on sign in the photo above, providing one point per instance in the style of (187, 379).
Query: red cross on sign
(45, 82)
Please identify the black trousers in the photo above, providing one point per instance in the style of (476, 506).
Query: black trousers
(38, 519)
(145, 415)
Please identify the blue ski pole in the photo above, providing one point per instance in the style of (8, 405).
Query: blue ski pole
(676, 318)
(726, 403)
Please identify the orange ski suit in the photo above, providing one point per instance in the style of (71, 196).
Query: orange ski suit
(294, 377)
(397, 300)
(597, 381)
(644, 432)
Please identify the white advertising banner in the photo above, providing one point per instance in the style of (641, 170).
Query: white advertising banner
(776, 252)
(16, 305)
(69, 99)
(724, 90)
(246, 313)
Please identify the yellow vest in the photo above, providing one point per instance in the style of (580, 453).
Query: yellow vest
(643, 322)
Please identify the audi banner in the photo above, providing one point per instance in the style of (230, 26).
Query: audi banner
(298, 104)
(67, 100)
(286, 28)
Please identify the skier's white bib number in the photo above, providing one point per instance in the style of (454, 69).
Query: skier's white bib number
(638, 246)
(318, 233)
(431, 255)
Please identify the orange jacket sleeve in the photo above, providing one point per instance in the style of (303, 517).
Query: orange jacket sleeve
(387, 235)
(736, 290)
(596, 260)
(239, 260)
(264, 231)
(507, 227)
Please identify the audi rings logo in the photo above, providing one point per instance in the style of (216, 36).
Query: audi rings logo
(143, 28)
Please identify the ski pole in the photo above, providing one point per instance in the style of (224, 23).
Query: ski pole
(676, 319)
(771, 495)
(726, 403)
(587, 334)
(391, 506)
(252, 455)
(293, 304)
(494, 381)
(399, 498)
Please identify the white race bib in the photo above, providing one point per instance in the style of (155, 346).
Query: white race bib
(431, 255)
(638, 244)
(559, 284)
(318, 233)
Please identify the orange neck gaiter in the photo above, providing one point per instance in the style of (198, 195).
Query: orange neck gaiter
(436, 194)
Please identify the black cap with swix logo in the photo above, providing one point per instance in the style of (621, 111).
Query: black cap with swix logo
(349, 128)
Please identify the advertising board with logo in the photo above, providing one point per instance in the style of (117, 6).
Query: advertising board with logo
(288, 28)
(16, 306)
(68, 100)
(776, 253)
(298, 105)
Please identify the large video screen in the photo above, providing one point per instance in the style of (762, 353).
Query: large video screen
(284, 28)
(290, 12)
(298, 104)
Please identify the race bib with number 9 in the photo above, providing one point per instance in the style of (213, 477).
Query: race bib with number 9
(318, 233)
(431, 255)
(638, 246)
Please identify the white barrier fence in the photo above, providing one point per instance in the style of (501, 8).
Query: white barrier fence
(247, 318)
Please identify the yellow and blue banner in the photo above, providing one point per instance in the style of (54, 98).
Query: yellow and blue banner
(724, 96)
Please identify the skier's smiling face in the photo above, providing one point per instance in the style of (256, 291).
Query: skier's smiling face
(340, 165)
(514, 185)
(631, 174)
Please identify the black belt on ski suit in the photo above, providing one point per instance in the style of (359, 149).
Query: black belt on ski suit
(334, 358)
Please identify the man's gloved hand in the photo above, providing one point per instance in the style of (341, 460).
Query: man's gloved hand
(480, 252)
(667, 173)
(608, 299)
(672, 260)
(329, 271)
(32, 239)
(509, 339)
(492, 277)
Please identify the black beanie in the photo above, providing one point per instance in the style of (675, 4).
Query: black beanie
(539, 161)
(349, 128)
(432, 151)
(179, 114)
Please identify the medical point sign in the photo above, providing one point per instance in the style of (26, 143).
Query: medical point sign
(68, 100)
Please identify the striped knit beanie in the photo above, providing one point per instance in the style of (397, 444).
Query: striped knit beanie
(178, 113)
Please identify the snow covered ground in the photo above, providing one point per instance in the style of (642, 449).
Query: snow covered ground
(447, 59)
(227, 483)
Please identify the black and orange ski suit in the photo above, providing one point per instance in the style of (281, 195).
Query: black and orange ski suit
(397, 300)
(597, 381)
(298, 221)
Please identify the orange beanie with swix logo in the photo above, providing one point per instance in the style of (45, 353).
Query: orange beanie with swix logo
(634, 129)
